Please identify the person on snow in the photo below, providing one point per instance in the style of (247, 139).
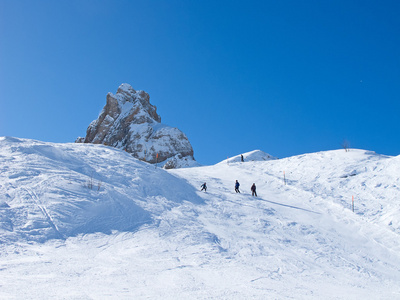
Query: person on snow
(237, 187)
(241, 157)
(204, 187)
(253, 190)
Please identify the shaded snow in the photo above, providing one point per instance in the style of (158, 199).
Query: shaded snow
(61, 190)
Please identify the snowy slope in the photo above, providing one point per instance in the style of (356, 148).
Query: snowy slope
(61, 190)
(153, 234)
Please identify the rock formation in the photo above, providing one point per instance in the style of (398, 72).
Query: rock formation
(129, 121)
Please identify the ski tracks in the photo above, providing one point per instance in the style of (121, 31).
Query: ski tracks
(44, 211)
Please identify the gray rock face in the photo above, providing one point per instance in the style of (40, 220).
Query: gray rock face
(129, 121)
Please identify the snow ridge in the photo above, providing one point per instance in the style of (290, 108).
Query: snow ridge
(256, 155)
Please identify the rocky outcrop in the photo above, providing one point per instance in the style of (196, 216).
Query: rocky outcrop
(129, 121)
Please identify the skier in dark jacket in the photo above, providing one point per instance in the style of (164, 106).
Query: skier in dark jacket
(204, 187)
(237, 187)
(253, 190)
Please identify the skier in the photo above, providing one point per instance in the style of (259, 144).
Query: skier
(237, 187)
(253, 190)
(241, 157)
(204, 187)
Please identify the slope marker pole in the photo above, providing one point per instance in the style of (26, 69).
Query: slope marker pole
(156, 160)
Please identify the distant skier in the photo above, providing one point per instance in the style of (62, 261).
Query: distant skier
(237, 187)
(253, 190)
(241, 157)
(204, 187)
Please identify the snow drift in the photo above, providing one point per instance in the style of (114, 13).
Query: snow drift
(60, 190)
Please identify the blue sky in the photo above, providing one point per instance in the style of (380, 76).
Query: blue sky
(286, 77)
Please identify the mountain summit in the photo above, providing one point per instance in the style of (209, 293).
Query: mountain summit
(129, 121)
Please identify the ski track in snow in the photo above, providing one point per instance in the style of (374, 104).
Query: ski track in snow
(141, 232)
(42, 208)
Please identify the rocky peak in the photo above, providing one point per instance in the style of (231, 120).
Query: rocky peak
(126, 89)
(130, 122)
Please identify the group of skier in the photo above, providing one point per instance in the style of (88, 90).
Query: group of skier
(253, 188)
(237, 184)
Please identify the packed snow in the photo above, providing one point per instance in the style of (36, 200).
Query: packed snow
(84, 221)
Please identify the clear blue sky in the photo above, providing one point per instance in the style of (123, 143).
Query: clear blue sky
(286, 77)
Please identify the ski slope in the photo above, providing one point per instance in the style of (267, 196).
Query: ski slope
(82, 221)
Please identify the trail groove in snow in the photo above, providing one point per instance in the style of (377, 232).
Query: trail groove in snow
(36, 200)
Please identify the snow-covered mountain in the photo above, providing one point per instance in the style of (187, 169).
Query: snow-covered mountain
(85, 221)
(130, 122)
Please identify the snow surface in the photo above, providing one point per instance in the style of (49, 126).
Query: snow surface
(84, 221)
(256, 155)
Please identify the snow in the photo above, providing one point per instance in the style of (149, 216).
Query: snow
(256, 155)
(84, 221)
(61, 190)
